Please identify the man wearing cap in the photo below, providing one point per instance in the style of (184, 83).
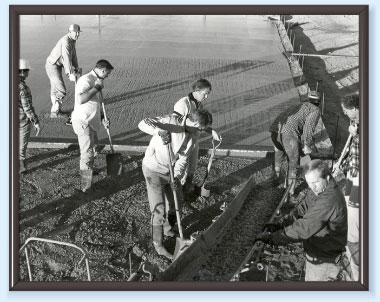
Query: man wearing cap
(63, 56)
(27, 115)
(292, 129)
(87, 118)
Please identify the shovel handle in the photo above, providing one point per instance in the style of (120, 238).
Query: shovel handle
(174, 192)
(339, 162)
(106, 119)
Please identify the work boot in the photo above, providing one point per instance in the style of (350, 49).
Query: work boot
(86, 179)
(157, 242)
(22, 166)
(168, 231)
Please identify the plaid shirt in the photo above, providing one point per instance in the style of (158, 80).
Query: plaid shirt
(297, 121)
(352, 159)
(26, 110)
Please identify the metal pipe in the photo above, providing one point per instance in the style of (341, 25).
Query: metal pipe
(324, 56)
(336, 137)
(28, 264)
(323, 102)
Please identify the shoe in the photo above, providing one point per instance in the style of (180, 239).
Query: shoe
(59, 114)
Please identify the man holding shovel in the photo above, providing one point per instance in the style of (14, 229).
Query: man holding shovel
(86, 117)
(184, 107)
(156, 167)
(289, 131)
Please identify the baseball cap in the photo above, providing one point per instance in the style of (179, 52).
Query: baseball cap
(74, 27)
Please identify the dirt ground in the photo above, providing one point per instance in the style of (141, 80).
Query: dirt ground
(112, 223)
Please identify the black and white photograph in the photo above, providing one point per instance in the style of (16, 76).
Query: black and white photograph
(213, 147)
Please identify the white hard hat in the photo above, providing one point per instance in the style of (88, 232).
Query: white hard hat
(24, 64)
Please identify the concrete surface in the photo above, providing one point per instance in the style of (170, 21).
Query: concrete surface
(156, 59)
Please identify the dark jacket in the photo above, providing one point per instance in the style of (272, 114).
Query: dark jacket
(322, 224)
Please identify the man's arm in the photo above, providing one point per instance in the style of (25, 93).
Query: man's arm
(309, 127)
(26, 103)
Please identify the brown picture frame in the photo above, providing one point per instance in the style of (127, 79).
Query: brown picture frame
(14, 13)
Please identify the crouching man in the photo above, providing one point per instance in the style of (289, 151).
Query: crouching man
(178, 133)
(320, 223)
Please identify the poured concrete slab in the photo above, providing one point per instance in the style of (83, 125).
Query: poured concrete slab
(156, 59)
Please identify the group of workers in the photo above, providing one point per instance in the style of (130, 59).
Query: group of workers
(321, 223)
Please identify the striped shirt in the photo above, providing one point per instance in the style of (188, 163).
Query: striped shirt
(26, 110)
(298, 121)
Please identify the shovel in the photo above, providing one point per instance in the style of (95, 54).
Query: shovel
(203, 191)
(181, 244)
(114, 162)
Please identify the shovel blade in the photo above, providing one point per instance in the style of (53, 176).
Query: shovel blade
(114, 164)
(180, 246)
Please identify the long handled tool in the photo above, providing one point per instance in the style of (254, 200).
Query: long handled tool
(114, 162)
(203, 191)
(344, 151)
(181, 243)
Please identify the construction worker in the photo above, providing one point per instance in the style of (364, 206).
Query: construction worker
(62, 57)
(87, 117)
(185, 106)
(291, 132)
(350, 167)
(177, 132)
(27, 114)
(320, 223)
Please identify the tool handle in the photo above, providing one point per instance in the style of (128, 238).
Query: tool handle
(174, 192)
(339, 162)
(106, 119)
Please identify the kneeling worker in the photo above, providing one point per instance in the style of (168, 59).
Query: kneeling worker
(320, 223)
(177, 132)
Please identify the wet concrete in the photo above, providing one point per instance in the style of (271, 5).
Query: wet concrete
(156, 59)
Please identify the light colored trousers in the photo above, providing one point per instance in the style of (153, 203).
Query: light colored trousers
(87, 139)
(321, 272)
(160, 196)
(57, 85)
(24, 136)
(352, 248)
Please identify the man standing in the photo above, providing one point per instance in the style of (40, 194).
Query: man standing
(320, 223)
(62, 57)
(289, 131)
(350, 166)
(86, 117)
(165, 130)
(27, 115)
(183, 108)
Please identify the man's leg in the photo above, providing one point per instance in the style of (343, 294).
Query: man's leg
(352, 200)
(278, 152)
(292, 150)
(57, 89)
(321, 272)
(24, 136)
(86, 144)
(155, 183)
(193, 162)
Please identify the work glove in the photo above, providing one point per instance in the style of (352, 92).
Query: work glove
(272, 227)
(216, 136)
(286, 220)
(353, 129)
(165, 136)
(176, 184)
(307, 150)
(99, 84)
(78, 71)
(72, 77)
(38, 128)
(265, 238)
